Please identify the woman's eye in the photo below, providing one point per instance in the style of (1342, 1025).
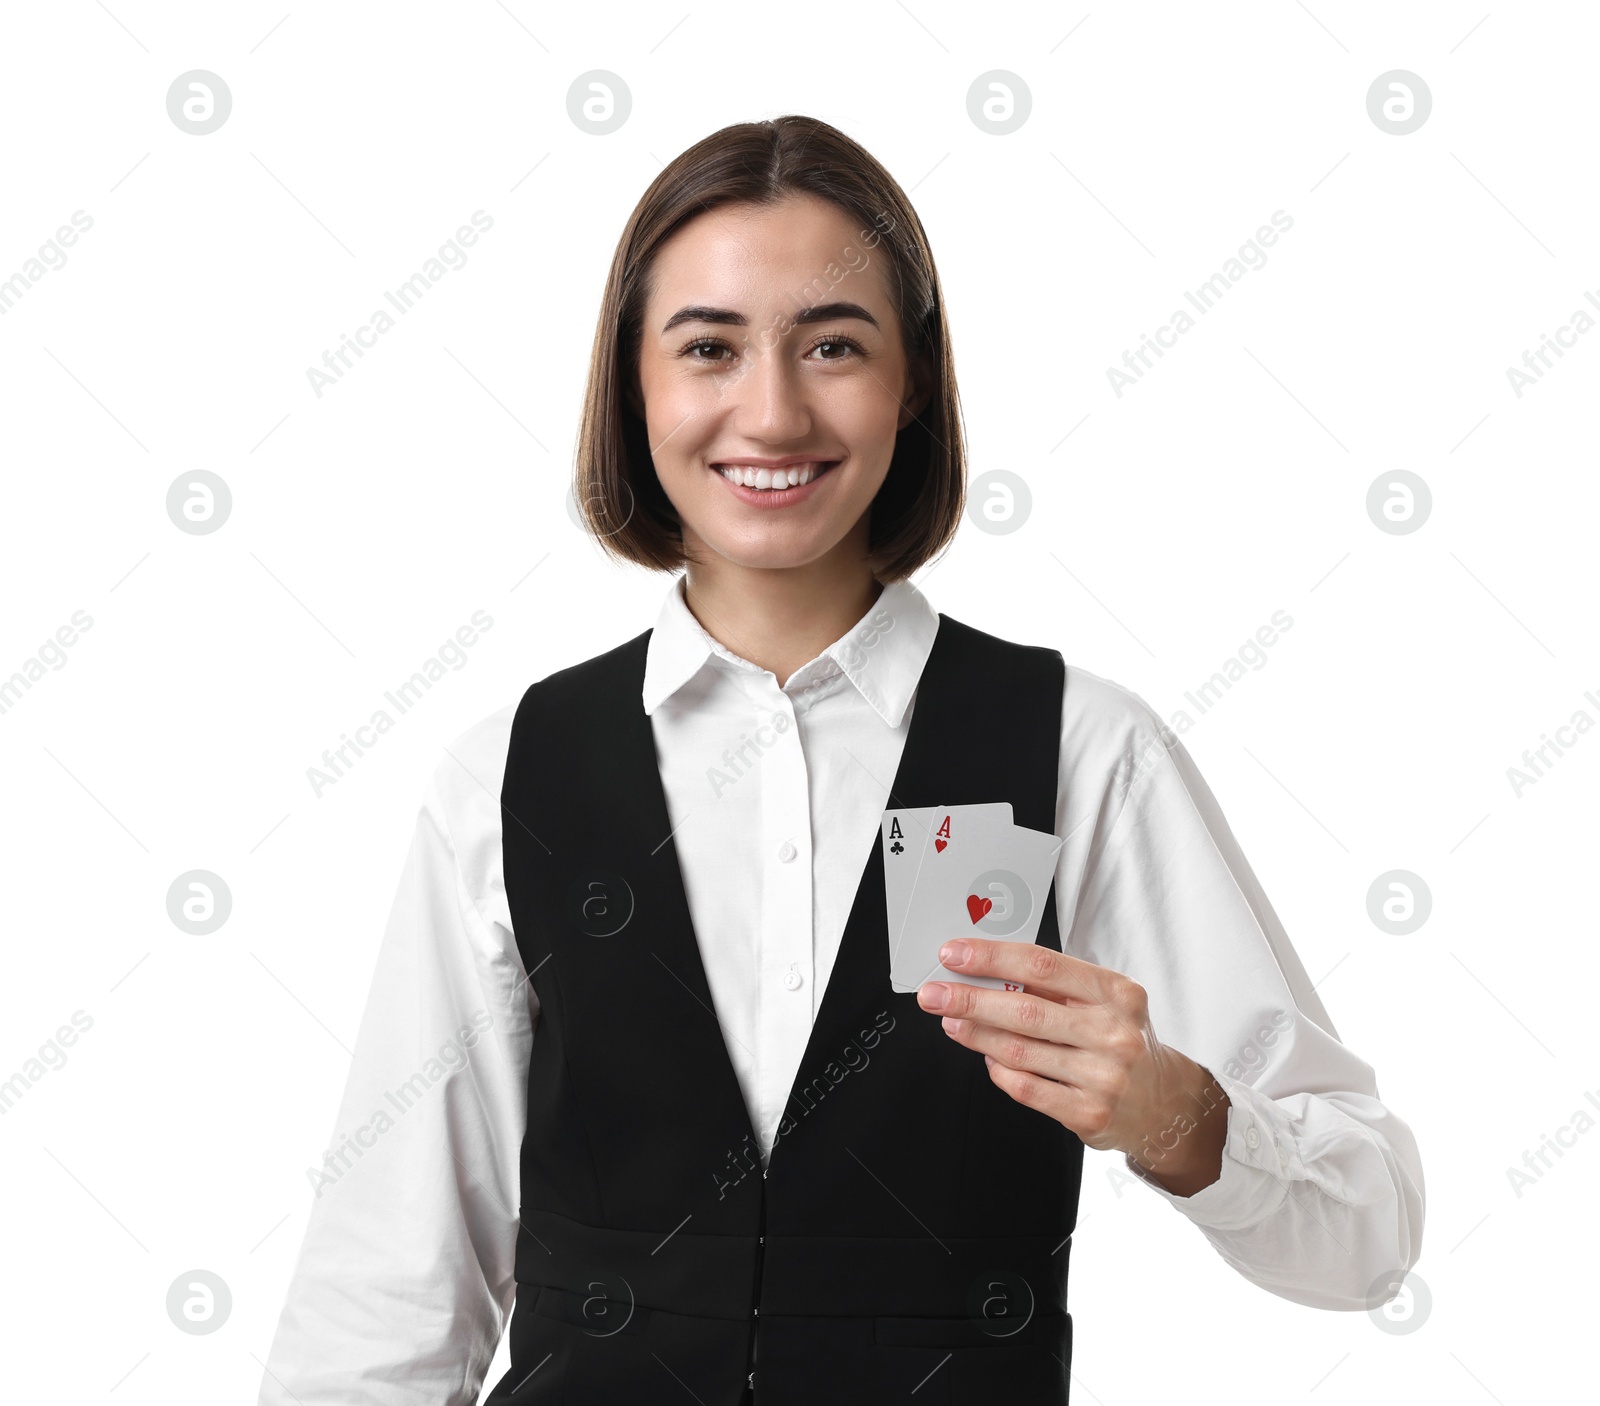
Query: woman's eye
(704, 346)
(842, 347)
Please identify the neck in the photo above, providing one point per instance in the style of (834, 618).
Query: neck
(779, 618)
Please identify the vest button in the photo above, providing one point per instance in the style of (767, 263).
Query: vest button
(786, 852)
(792, 980)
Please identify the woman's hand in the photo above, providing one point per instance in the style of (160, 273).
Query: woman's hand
(1077, 1045)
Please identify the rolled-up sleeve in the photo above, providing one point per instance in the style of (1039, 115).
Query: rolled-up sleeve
(404, 1282)
(1320, 1195)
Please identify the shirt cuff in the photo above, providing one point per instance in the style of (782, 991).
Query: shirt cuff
(1259, 1159)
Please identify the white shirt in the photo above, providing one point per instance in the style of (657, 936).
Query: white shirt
(404, 1280)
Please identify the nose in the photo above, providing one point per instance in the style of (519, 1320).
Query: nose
(769, 396)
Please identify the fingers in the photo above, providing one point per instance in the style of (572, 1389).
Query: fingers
(1087, 1114)
(1054, 985)
(1057, 975)
(1091, 1070)
(1026, 1013)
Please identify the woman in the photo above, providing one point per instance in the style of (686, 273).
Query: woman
(633, 1015)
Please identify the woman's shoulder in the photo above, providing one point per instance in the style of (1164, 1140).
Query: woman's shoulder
(484, 743)
(464, 791)
(603, 674)
(466, 783)
(1106, 726)
(482, 749)
(1096, 695)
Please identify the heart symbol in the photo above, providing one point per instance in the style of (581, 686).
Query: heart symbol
(978, 907)
(938, 846)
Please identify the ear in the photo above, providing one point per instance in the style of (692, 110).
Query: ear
(919, 389)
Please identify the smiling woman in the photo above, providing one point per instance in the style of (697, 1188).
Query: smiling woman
(773, 289)
(665, 873)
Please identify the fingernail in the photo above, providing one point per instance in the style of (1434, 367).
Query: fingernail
(954, 954)
(933, 995)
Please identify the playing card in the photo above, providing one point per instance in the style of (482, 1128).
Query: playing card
(905, 834)
(990, 879)
(941, 833)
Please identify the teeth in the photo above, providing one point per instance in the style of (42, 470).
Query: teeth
(791, 477)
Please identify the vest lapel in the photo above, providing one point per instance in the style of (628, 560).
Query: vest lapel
(859, 981)
(639, 764)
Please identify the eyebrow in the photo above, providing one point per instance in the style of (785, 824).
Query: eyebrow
(820, 312)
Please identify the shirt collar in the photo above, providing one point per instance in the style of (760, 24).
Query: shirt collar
(882, 654)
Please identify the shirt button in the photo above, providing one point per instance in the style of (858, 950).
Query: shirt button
(786, 852)
(792, 980)
(1252, 1139)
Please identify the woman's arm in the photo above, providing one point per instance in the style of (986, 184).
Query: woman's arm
(404, 1278)
(1321, 1186)
(1178, 1026)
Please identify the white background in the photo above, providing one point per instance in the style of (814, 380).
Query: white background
(370, 523)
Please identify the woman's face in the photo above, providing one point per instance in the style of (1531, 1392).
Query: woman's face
(770, 344)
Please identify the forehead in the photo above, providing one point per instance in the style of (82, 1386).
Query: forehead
(767, 255)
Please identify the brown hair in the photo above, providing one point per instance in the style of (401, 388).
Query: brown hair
(918, 509)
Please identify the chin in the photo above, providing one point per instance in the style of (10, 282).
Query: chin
(776, 555)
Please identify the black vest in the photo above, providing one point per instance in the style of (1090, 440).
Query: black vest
(912, 1227)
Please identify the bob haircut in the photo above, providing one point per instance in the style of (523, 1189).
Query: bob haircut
(919, 506)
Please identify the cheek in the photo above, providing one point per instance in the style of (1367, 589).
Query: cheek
(861, 407)
(678, 410)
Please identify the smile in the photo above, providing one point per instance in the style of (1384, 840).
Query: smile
(780, 479)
